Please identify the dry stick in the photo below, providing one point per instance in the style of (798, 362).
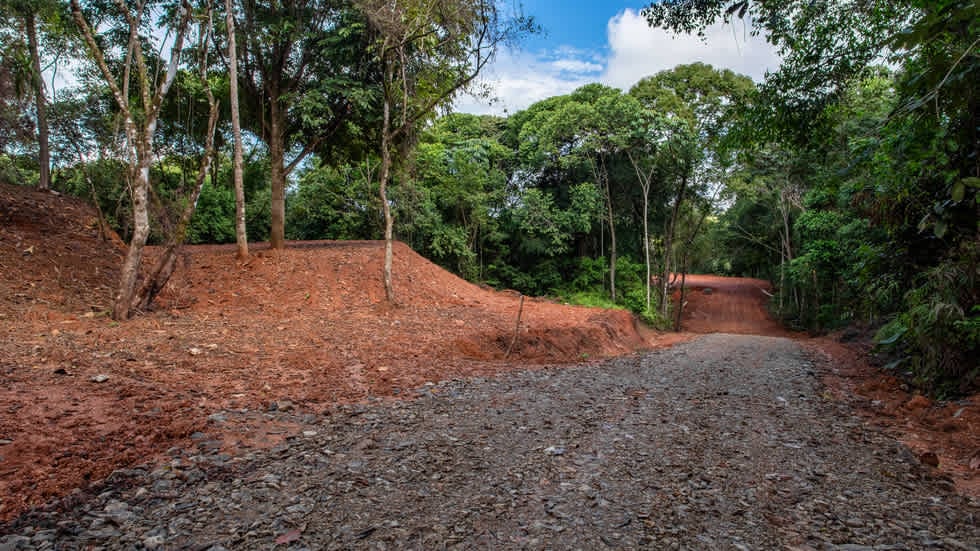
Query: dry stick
(517, 327)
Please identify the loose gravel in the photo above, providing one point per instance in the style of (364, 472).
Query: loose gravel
(725, 442)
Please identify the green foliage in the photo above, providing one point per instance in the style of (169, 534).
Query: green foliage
(101, 182)
(214, 217)
(257, 218)
(933, 338)
(331, 203)
(592, 299)
(548, 230)
(860, 184)
(18, 170)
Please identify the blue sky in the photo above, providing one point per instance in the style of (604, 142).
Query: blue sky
(607, 42)
(581, 23)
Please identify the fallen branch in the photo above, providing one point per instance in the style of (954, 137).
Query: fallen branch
(517, 328)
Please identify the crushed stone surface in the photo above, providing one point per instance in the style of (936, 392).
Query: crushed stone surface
(724, 442)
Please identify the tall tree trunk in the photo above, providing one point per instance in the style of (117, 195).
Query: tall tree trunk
(389, 222)
(277, 155)
(236, 129)
(669, 245)
(139, 137)
(646, 238)
(612, 233)
(786, 248)
(40, 104)
(680, 301)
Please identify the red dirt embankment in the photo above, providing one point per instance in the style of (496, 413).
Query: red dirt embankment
(83, 395)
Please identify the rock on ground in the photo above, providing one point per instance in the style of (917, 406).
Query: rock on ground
(721, 443)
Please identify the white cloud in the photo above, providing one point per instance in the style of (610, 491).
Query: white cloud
(576, 66)
(519, 79)
(635, 51)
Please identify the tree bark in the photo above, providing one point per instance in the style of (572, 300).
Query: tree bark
(644, 181)
(40, 104)
(241, 237)
(389, 222)
(646, 238)
(277, 154)
(612, 245)
(139, 139)
(602, 175)
(121, 309)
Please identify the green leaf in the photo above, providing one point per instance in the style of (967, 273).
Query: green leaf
(959, 191)
(899, 332)
(940, 228)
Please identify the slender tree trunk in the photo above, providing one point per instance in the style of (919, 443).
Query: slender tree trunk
(277, 155)
(612, 236)
(236, 130)
(122, 308)
(389, 222)
(680, 302)
(669, 245)
(787, 246)
(40, 104)
(139, 139)
(167, 261)
(646, 238)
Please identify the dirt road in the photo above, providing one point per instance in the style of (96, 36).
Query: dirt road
(714, 304)
(724, 442)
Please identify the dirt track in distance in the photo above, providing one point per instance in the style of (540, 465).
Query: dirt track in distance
(715, 304)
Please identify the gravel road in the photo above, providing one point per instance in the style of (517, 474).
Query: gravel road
(725, 442)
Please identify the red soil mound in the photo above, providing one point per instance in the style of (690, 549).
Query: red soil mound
(308, 324)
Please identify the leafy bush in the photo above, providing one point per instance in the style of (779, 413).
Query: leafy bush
(933, 339)
(214, 217)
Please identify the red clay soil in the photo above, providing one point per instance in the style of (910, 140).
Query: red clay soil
(308, 324)
(944, 434)
(715, 304)
(82, 395)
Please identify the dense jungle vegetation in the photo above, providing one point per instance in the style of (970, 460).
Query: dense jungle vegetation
(849, 178)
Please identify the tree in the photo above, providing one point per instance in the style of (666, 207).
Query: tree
(140, 127)
(566, 140)
(428, 50)
(31, 14)
(641, 140)
(887, 223)
(824, 44)
(698, 104)
(449, 207)
(241, 237)
(164, 267)
(307, 76)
